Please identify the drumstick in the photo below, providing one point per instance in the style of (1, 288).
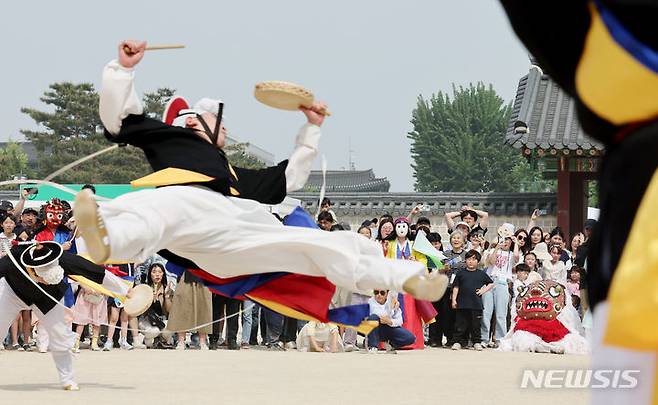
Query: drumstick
(129, 51)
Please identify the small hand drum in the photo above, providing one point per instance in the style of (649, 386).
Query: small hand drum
(284, 95)
(140, 300)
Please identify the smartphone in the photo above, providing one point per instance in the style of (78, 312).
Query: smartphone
(425, 208)
(542, 212)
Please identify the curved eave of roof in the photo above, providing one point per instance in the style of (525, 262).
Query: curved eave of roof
(348, 180)
(377, 185)
(550, 116)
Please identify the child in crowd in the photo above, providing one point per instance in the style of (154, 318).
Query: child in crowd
(555, 269)
(435, 239)
(573, 284)
(530, 260)
(521, 281)
(90, 308)
(117, 314)
(467, 292)
(319, 337)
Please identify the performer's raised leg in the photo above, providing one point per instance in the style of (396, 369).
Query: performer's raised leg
(239, 238)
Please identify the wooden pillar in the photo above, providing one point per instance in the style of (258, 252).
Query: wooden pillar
(563, 197)
(578, 211)
(571, 199)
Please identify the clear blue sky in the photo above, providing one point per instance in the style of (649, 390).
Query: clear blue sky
(368, 59)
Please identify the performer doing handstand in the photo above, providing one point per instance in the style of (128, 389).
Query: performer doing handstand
(209, 212)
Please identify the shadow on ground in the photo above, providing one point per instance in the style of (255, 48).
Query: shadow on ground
(57, 387)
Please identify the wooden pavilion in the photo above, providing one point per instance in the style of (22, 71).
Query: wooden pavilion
(544, 126)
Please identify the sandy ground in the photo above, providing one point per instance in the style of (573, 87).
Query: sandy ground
(432, 376)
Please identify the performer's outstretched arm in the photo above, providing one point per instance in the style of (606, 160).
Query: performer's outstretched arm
(118, 97)
(77, 265)
(301, 159)
(306, 148)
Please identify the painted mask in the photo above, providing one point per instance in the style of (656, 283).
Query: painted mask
(54, 214)
(541, 300)
(401, 228)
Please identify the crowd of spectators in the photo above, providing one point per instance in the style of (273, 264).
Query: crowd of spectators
(485, 268)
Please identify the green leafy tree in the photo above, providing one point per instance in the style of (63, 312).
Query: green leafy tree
(154, 103)
(457, 143)
(593, 193)
(238, 157)
(13, 162)
(73, 130)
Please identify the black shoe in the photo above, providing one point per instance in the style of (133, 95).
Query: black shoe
(232, 345)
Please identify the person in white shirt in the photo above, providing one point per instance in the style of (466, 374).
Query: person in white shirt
(7, 235)
(555, 269)
(385, 309)
(521, 281)
(501, 261)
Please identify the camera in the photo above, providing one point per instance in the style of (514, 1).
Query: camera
(32, 190)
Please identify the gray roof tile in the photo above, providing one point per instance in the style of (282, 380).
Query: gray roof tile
(550, 116)
(348, 180)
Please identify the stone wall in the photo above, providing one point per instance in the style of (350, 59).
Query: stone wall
(515, 208)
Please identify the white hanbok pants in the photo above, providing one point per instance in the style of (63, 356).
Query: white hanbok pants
(606, 357)
(61, 337)
(229, 236)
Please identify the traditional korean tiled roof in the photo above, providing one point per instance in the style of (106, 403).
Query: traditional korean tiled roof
(347, 181)
(549, 115)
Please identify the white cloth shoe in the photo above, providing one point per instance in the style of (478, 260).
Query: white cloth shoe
(138, 341)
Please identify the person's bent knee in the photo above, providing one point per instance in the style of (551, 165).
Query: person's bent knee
(151, 332)
(373, 317)
(407, 338)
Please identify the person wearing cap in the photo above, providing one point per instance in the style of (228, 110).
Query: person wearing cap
(6, 207)
(26, 226)
(44, 266)
(207, 213)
